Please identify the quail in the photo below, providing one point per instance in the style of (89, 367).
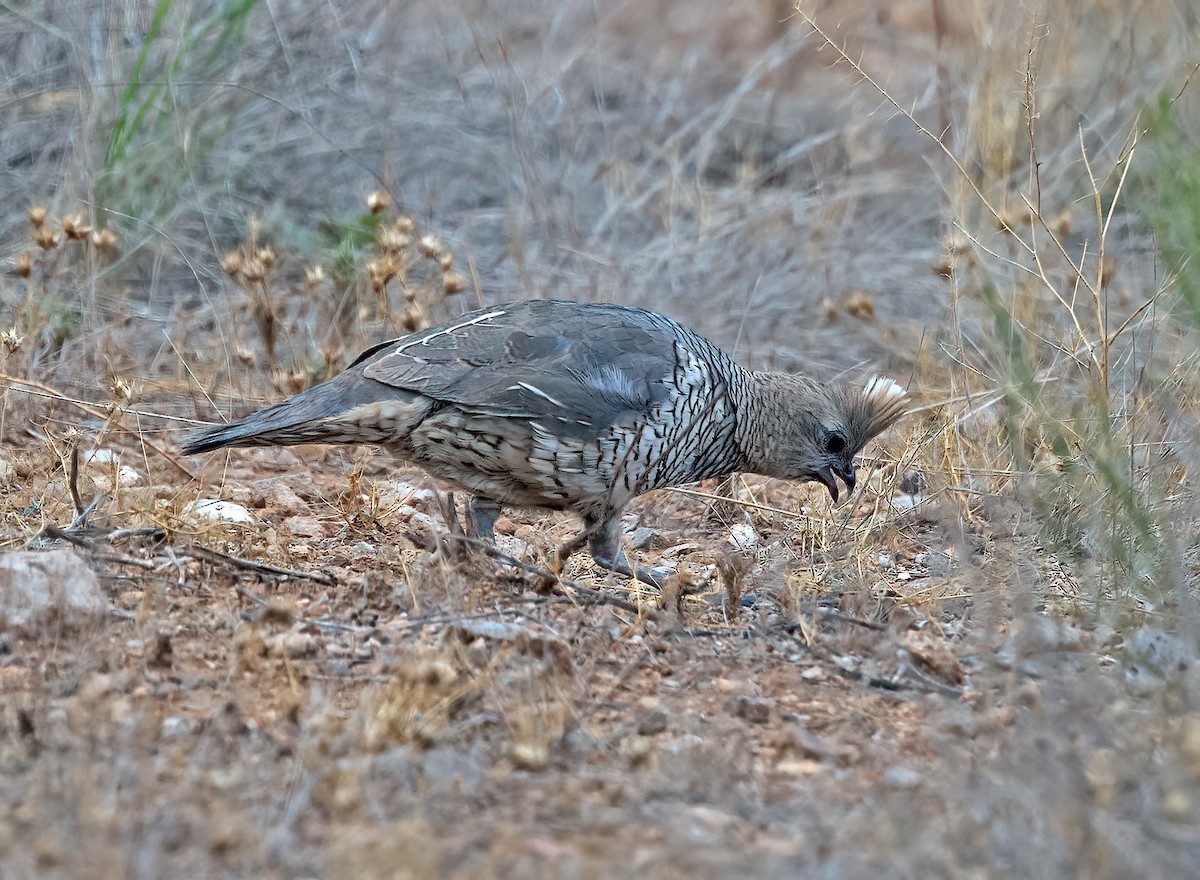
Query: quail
(578, 407)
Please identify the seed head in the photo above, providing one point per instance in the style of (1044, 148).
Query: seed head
(73, 228)
(378, 201)
(37, 215)
(24, 266)
(430, 247)
(231, 264)
(453, 283)
(120, 388)
(46, 238)
(392, 239)
(254, 270)
(381, 272)
(314, 276)
(104, 240)
(10, 339)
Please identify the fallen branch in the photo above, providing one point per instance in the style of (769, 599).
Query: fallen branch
(258, 567)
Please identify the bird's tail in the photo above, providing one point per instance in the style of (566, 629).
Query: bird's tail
(346, 409)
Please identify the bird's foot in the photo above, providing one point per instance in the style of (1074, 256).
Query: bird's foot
(566, 550)
(619, 564)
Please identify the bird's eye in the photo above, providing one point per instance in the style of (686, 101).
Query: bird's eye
(835, 443)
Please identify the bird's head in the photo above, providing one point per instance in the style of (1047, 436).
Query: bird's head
(808, 431)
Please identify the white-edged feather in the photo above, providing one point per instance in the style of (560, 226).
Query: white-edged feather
(883, 389)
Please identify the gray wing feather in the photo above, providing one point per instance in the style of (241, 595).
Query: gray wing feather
(538, 360)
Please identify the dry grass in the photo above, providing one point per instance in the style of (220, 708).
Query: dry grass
(986, 664)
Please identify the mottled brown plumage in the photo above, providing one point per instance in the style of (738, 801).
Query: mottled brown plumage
(576, 406)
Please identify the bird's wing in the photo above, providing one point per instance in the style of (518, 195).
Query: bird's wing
(580, 366)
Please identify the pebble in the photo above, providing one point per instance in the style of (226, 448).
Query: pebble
(284, 499)
(215, 510)
(756, 710)
(304, 527)
(902, 777)
(742, 536)
(363, 550)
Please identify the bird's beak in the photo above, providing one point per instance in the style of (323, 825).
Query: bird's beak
(830, 474)
(846, 473)
(825, 475)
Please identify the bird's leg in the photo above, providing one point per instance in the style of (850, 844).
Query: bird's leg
(604, 541)
(567, 549)
(482, 514)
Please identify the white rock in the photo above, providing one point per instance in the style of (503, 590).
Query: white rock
(397, 494)
(742, 536)
(513, 546)
(55, 586)
(215, 510)
(100, 457)
(422, 521)
(363, 550)
(127, 476)
(7, 472)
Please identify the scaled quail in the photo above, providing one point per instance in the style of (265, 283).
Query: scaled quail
(576, 406)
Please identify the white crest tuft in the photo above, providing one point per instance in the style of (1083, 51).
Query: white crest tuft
(883, 389)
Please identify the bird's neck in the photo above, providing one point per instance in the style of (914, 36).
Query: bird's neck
(765, 408)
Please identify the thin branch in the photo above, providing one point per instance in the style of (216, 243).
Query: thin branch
(259, 567)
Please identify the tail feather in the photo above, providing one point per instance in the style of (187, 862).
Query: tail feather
(346, 409)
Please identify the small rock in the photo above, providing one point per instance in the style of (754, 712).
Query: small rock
(530, 755)
(178, 725)
(705, 825)
(742, 536)
(422, 521)
(398, 494)
(505, 526)
(813, 673)
(756, 710)
(514, 547)
(127, 476)
(652, 723)
(283, 498)
(100, 458)
(1158, 651)
(902, 777)
(293, 645)
(215, 510)
(304, 527)
(7, 472)
(54, 586)
(363, 550)
(932, 654)
(524, 639)
(808, 745)
(937, 563)
(644, 538)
